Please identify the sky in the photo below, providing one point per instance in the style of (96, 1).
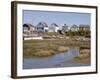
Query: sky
(60, 18)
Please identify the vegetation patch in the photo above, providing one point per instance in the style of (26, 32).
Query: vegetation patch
(46, 48)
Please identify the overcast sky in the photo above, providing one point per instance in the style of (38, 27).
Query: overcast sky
(60, 18)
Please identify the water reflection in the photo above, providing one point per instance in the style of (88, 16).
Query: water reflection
(31, 63)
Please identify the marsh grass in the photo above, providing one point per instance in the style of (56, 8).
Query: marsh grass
(45, 48)
(84, 55)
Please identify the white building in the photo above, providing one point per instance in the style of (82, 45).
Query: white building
(54, 27)
(42, 27)
(65, 28)
(26, 27)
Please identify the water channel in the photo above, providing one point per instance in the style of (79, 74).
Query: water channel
(50, 62)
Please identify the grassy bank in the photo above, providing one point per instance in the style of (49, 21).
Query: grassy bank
(45, 48)
(84, 56)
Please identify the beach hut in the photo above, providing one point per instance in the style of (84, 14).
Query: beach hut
(74, 28)
(42, 27)
(54, 27)
(65, 28)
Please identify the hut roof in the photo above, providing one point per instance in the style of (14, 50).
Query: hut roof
(27, 25)
(54, 25)
(42, 24)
